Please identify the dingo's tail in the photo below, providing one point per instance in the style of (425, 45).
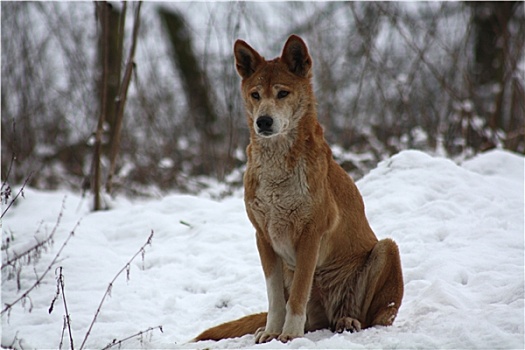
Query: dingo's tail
(233, 329)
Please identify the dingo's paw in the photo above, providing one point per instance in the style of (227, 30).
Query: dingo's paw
(285, 338)
(261, 336)
(347, 324)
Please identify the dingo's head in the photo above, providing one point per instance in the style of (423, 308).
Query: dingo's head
(276, 93)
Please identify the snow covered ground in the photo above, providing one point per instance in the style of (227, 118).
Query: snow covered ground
(460, 229)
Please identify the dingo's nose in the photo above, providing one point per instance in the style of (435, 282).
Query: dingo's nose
(264, 125)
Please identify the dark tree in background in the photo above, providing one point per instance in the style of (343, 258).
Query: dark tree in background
(113, 93)
(494, 85)
(111, 22)
(443, 77)
(196, 89)
(110, 56)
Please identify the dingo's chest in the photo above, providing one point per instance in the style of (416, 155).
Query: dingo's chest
(281, 207)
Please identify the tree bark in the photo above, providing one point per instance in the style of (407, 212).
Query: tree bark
(121, 100)
(102, 13)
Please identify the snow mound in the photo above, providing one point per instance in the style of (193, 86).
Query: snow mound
(460, 229)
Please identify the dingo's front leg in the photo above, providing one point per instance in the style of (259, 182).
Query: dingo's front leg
(307, 252)
(273, 272)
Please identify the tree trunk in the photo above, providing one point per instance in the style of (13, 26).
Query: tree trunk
(102, 12)
(121, 99)
(489, 72)
(111, 39)
(111, 22)
(196, 90)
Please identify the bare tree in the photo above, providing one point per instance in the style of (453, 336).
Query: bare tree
(122, 97)
(198, 95)
(493, 70)
(112, 100)
(388, 76)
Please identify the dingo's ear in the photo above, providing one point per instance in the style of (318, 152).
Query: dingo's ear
(295, 56)
(247, 60)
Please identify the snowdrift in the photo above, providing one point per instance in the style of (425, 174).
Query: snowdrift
(460, 229)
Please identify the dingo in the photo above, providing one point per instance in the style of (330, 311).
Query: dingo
(323, 265)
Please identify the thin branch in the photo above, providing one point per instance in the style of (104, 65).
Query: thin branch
(138, 334)
(62, 335)
(441, 79)
(12, 261)
(4, 183)
(110, 286)
(20, 192)
(67, 319)
(8, 306)
(5, 190)
(121, 99)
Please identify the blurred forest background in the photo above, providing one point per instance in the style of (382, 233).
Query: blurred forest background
(144, 98)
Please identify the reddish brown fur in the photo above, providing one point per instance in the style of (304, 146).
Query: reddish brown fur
(234, 329)
(323, 264)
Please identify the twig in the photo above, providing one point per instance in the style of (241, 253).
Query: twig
(8, 306)
(119, 342)
(20, 192)
(62, 335)
(4, 183)
(67, 319)
(12, 261)
(450, 90)
(110, 286)
(182, 222)
(6, 189)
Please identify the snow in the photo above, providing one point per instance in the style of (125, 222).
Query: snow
(460, 229)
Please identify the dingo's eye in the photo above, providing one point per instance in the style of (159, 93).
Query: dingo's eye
(282, 94)
(255, 95)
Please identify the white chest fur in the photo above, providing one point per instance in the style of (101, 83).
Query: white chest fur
(281, 204)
